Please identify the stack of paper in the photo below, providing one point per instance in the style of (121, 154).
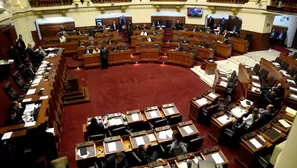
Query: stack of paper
(43, 97)
(255, 77)
(139, 141)
(135, 117)
(29, 124)
(212, 95)
(188, 129)
(255, 89)
(31, 91)
(27, 100)
(291, 112)
(224, 84)
(255, 143)
(152, 137)
(284, 123)
(293, 88)
(154, 114)
(224, 119)
(224, 78)
(112, 146)
(182, 165)
(256, 84)
(115, 121)
(244, 103)
(7, 135)
(291, 81)
(170, 111)
(202, 101)
(217, 158)
(162, 135)
(237, 112)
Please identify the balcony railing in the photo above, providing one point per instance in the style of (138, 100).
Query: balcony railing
(284, 3)
(110, 1)
(46, 3)
(229, 1)
(168, 0)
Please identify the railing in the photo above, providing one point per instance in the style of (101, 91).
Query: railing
(229, 1)
(284, 3)
(168, 0)
(46, 3)
(110, 1)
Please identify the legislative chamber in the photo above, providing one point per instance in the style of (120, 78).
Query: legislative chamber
(150, 83)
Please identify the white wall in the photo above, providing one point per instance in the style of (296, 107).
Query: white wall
(291, 23)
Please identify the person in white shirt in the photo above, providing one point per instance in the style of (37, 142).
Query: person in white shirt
(62, 39)
(148, 39)
(143, 33)
(251, 118)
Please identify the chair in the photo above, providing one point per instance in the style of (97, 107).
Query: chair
(224, 102)
(119, 131)
(278, 60)
(160, 123)
(263, 74)
(257, 68)
(194, 144)
(175, 119)
(284, 65)
(19, 81)
(96, 137)
(26, 73)
(208, 112)
(12, 94)
(294, 55)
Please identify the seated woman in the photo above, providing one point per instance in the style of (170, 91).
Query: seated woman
(95, 127)
(251, 118)
(144, 156)
(178, 147)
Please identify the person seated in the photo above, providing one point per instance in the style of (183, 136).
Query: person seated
(178, 147)
(114, 48)
(109, 41)
(41, 52)
(194, 29)
(225, 41)
(95, 128)
(154, 33)
(142, 153)
(273, 34)
(143, 33)
(116, 160)
(148, 39)
(87, 51)
(78, 32)
(179, 47)
(276, 91)
(13, 118)
(91, 43)
(186, 41)
(114, 27)
(62, 39)
(137, 27)
(96, 50)
(251, 118)
(16, 107)
(144, 27)
(268, 112)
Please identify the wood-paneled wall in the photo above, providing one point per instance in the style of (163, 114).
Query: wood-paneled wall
(260, 41)
(108, 21)
(8, 37)
(50, 30)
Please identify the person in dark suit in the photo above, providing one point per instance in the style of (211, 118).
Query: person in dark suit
(109, 41)
(104, 57)
(33, 55)
(116, 160)
(114, 27)
(142, 153)
(87, 51)
(179, 48)
(210, 22)
(268, 112)
(16, 107)
(21, 42)
(95, 128)
(114, 48)
(13, 118)
(194, 29)
(222, 24)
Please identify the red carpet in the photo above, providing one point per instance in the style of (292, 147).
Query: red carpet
(127, 87)
(281, 49)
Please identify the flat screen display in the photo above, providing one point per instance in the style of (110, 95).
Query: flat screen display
(195, 12)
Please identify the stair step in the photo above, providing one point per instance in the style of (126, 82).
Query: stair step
(74, 97)
(85, 98)
(72, 93)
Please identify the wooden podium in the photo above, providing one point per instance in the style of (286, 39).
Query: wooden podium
(73, 94)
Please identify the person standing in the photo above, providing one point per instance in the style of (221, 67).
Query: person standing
(21, 42)
(104, 57)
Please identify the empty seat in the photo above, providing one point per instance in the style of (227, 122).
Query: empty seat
(175, 119)
(19, 81)
(11, 93)
(194, 144)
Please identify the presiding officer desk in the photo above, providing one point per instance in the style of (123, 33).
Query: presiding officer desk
(49, 78)
(240, 45)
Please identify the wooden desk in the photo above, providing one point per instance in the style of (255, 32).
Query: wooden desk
(90, 148)
(113, 145)
(149, 54)
(210, 68)
(115, 121)
(195, 107)
(218, 122)
(217, 156)
(240, 45)
(272, 134)
(152, 113)
(169, 109)
(119, 57)
(187, 129)
(91, 60)
(139, 138)
(180, 58)
(211, 96)
(147, 45)
(163, 134)
(134, 116)
(135, 39)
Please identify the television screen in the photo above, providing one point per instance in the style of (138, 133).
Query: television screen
(195, 12)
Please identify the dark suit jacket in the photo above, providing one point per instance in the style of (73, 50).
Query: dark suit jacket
(114, 27)
(104, 53)
(111, 163)
(179, 48)
(21, 41)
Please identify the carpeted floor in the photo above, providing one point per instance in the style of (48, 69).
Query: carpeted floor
(127, 87)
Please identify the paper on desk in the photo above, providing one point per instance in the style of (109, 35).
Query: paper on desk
(275, 64)
(31, 91)
(255, 143)
(291, 81)
(139, 141)
(224, 78)
(291, 111)
(293, 88)
(27, 100)
(43, 97)
(212, 95)
(188, 129)
(255, 77)
(293, 96)
(237, 112)
(112, 146)
(152, 137)
(256, 84)
(170, 111)
(83, 156)
(7, 135)
(224, 119)
(135, 117)
(244, 103)
(254, 89)
(284, 123)
(201, 101)
(169, 133)
(217, 158)
(182, 165)
(159, 167)
(115, 121)
(29, 124)
(154, 114)
(224, 84)
(162, 135)
(36, 81)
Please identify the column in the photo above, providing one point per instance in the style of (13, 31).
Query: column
(287, 157)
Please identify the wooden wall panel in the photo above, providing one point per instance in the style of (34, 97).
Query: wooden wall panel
(168, 20)
(50, 30)
(109, 21)
(8, 37)
(259, 41)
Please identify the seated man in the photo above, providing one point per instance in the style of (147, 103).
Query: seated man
(142, 153)
(137, 27)
(143, 33)
(114, 48)
(13, 118)
(87, 51)
(148, 39)
(116, 160)
(251, 118)
(16, 107)
(114, 26)
(179, 48)
(276, 91)
(268, 112)
(95, 128)
(186, 41)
